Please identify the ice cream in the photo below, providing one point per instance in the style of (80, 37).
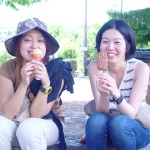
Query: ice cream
(102, 60)
(37, 54)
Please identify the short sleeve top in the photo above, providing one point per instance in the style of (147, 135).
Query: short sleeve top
(7, 69)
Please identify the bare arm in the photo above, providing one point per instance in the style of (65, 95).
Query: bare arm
(101, 99)
(10, 102)
(141, 80)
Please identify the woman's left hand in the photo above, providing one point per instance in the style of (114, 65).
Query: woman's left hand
(40, 72)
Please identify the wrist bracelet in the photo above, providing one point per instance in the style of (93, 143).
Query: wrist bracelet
(46, 90)
(119, 100)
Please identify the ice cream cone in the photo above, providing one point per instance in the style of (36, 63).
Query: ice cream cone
(37, 54)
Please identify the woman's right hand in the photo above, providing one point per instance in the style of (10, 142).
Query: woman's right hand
(107, 84)
(101, 83)
(27, 73)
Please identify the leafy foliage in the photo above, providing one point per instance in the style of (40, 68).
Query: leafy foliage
(92, 31)
(70, 43)
(73, 63)
(4, 57)
(13, 3)
(139, 20)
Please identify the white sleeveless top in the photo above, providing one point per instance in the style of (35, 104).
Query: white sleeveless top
(126, 83)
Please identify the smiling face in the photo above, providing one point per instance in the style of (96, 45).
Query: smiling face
(30, 41)
(114, 44)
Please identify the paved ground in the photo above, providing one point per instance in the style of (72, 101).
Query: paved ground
(82, 91)
(73, 105)
(74, 124)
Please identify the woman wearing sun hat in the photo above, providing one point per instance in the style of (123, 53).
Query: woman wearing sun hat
(26, 104)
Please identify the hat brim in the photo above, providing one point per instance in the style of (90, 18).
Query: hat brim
(10, 42)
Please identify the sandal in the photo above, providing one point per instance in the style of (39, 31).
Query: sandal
(83, 140)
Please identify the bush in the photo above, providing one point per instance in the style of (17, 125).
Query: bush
(73, 63)
(67, 54)
(4, 57)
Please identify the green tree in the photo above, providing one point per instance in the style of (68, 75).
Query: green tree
(14, 3)
(4, 57)
(140, 23)
(68, 39)
(92, 31)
